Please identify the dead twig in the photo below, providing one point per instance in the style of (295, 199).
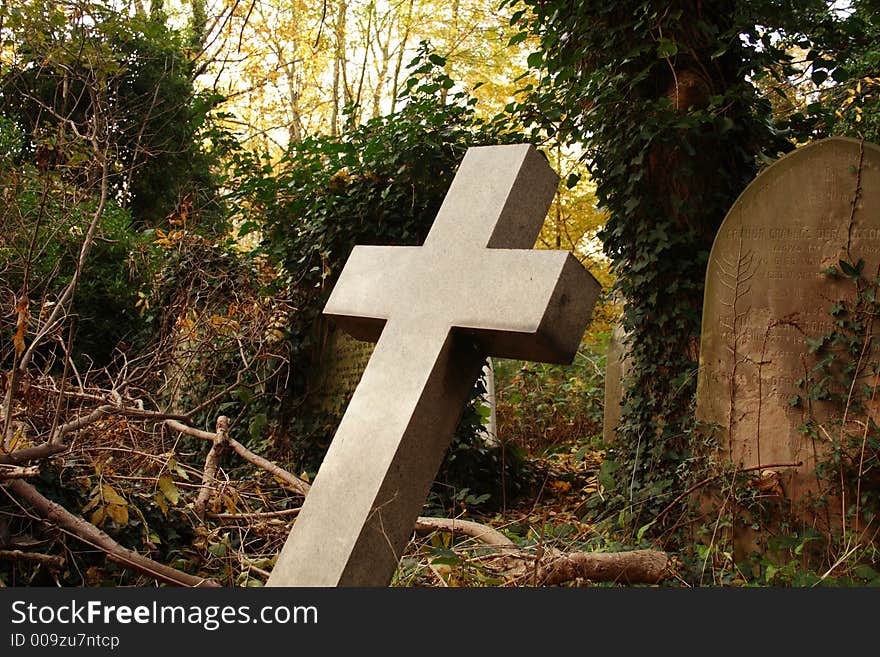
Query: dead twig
(56, 444)
(298, 485)
(86, 531)
(211, 464)
(482, 533)
(17, 471)
(50, 560)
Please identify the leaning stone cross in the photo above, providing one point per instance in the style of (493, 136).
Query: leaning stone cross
(474, 289)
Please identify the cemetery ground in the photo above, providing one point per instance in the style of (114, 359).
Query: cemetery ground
(101, 490)
(148, 500)
(138, 481)
(142, 480)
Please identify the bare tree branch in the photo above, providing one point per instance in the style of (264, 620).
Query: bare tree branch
(482, 533)
(298, 485)
(85, 530)
(17, 471)
(210, 474)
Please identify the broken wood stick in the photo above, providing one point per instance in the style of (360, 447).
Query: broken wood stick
(18, 471)
(297, 484)
(50, 560)
(209, 476)
(83, 529)
(632, 567)
(482, 533)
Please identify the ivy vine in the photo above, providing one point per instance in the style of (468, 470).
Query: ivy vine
(670, 102)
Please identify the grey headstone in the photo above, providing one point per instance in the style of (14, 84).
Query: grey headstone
(616, 366)
(766, 293)
(340, 365)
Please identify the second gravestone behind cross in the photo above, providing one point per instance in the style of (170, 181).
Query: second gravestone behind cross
(474, 289)
(766, 293)
(617, 364)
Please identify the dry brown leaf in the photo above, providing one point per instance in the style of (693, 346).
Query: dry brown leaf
(118, 514)
(111, 496)
(23, 310)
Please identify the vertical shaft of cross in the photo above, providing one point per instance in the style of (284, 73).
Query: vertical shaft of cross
(381, 463)
(499, 207)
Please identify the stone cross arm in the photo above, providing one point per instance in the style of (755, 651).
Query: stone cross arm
(511, 303)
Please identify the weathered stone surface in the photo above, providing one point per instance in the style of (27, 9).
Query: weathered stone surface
(616, 367)
(341, 364)
(474, 289)
(766, 293)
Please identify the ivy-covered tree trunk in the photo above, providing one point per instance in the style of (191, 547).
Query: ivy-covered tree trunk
(659, 94)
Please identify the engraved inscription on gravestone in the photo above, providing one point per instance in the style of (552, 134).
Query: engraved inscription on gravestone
(766, 294)
(340, 367)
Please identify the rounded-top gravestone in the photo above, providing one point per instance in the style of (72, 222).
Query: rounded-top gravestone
(767, 293)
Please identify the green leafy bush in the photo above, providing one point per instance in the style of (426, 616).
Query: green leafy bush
(377, 183)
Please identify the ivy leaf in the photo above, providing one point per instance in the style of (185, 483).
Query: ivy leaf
(169, 490)
(849, 270)
(535, 59)
(814, 344)
(666, 48)
(255, 428)
(642, 531)
(819, 76)
(517, 38)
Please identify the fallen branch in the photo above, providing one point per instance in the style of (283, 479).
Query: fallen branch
(32, 454)
(633, 567)
(211, 465)
(52, 561)
(93, 536)
(482, 533)
(56, 443)
(299, 486)
(18, 471)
